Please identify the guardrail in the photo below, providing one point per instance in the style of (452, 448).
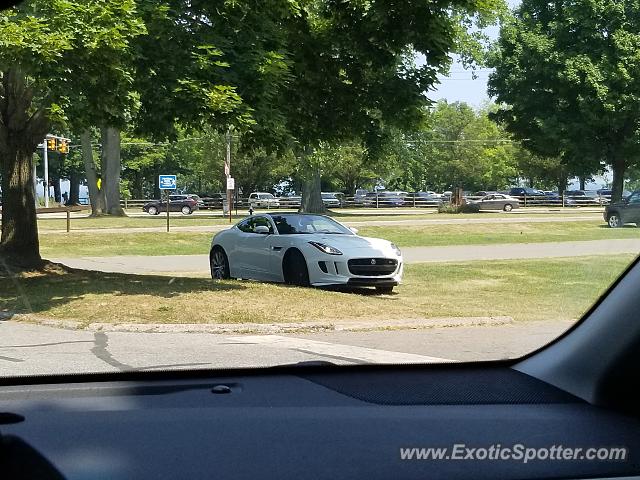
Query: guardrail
(385, 201)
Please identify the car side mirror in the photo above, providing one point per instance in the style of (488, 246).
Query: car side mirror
(261, 229)
(354, 230)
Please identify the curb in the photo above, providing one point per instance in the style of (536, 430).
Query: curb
(271, 328)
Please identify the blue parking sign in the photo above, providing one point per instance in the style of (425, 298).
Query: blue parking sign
(168, 182)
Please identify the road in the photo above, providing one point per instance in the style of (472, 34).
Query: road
(199, 264)
(27, 349)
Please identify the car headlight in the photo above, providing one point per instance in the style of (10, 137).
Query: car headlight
(396, 249)
(326, 248)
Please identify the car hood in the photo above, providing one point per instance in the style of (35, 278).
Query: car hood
(354, 244)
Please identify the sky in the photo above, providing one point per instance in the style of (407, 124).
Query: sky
(459, 84)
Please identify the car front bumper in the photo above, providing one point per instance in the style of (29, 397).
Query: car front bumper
(338, 273)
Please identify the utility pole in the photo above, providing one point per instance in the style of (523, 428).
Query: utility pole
(45, 182)
(227, 170)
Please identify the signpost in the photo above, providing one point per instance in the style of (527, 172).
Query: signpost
(167, 182)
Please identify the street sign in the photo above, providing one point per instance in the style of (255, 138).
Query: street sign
(231, 183)
(168, 182)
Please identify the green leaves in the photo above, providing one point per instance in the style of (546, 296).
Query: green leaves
(570, 75)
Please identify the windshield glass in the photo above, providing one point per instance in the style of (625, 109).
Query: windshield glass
(301, 224)
(222, 184)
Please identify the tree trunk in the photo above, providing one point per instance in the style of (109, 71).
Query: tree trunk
(57, 192)
(19, 223)
(96, 195)
(619, 167)
(74, 188)
(21, 130)
(583, 182)
(311, 196)
(111, 165)
(562, 185)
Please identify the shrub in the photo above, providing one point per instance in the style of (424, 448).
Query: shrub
(464, 208)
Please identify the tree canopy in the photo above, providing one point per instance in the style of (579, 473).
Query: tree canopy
(568, 80)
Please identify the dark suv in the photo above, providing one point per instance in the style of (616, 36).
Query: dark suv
(626, 211)
(522, 191)
(185, 203)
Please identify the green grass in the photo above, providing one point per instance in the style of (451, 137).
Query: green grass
(525, 290)
(191, 243)
(112, 244)
(492, 233)
(177, 220)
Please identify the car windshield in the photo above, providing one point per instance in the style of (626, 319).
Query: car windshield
(221, 184)
(308, 224)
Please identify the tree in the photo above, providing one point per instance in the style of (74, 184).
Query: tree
(354, 71)
(47, 47)
(567, 78)
(455, 146)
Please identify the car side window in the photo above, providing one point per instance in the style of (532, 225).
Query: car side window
(246, 226)
(261, 221)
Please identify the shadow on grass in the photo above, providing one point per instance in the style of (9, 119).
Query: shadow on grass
(626, 225)
(34, 292)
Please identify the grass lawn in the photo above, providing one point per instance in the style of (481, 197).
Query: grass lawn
(524, 290)
(491, 233)
(191, 243)
(178, 220)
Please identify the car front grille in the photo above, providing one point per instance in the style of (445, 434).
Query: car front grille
(372, 267)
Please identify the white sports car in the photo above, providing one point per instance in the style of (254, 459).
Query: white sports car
(304, 249)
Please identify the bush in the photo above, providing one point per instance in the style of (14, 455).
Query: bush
(464, 208)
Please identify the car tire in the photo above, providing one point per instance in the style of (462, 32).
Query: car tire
(385, 289)
(153, 211)
(508, 207)
(614, 220)
(186, 210)
(219, 264)
(294, 268)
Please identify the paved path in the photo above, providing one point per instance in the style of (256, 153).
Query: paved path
(458, 253)
(400, 222)
(27, 349)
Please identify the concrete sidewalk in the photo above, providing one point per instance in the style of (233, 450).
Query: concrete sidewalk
(199, 264)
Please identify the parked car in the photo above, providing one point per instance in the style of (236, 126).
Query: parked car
(483, 193)
(384, 199)
(211, 200)
(626, 211)
(185, 203)
(360, 195)
(291, 201)
(522, 191)
(427, 198)
(496, 201)
(263, 200)
(303, 249)
(330, 200)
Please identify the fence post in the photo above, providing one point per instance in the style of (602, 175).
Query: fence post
(68, 220)
(414, 200)
(525, 199)
(563, 199)
(377, 200)
(126, 204)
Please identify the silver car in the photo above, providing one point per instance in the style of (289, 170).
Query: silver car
(497, 201)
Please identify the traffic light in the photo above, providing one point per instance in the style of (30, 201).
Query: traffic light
(51, 144)
(63, 147)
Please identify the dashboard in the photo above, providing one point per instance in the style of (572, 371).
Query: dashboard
(347, 422)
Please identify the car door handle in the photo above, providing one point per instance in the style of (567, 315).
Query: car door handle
(276, 249)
